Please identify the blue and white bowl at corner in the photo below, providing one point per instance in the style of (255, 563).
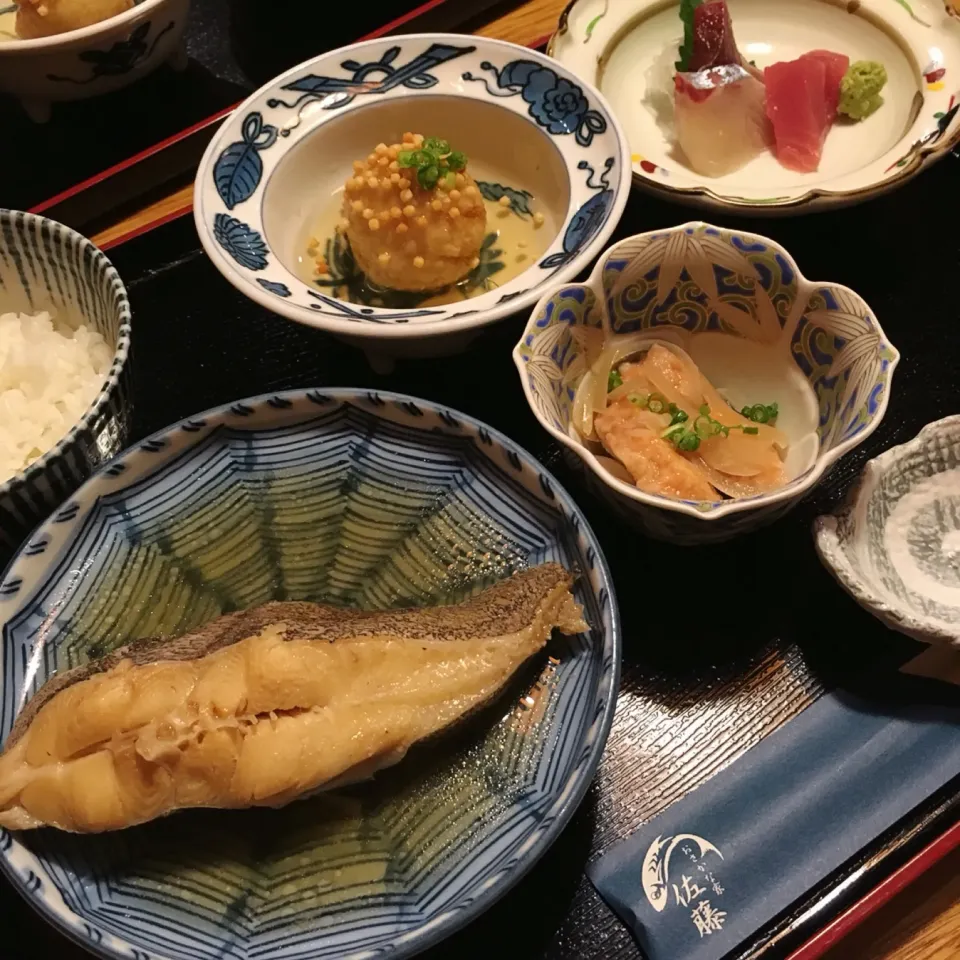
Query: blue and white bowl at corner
(93, 60)
(356, 498)
(47, 267)
(697, 279)
(295, 139)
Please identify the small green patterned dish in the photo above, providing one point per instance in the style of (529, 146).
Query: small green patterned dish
(699, 279)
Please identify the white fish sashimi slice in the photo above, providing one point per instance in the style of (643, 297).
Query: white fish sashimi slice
(720, 118)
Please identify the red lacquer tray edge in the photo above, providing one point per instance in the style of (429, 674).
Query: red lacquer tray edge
(833, 932)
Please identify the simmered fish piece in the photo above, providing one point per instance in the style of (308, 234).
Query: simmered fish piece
(260, 707)
(633, 437)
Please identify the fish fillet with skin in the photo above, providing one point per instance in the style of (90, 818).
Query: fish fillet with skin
(261, 707)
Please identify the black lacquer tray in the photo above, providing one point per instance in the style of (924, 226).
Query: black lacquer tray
(701, 684)
(234, 47)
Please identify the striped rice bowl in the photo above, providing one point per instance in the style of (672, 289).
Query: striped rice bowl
(49, 376)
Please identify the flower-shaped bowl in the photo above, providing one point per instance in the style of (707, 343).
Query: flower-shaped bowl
(698, 279)
(45, 266)
(287, 150)
(895, 546)
(353, 498)
(93, 60)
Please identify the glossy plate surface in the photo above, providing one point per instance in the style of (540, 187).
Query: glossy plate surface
(353, 498)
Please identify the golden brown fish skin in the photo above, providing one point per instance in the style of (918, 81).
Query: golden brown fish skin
(508, 604)
(260, 707)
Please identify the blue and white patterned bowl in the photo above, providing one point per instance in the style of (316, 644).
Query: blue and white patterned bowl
(895, 545)
(695, 278)
(94, 60)
(45, 266)
(346, 496)
(294, 140)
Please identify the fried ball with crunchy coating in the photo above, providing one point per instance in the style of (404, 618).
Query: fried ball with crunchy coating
(47, 18)
(406, 237)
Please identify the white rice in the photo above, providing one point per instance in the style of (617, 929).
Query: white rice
(49, 376)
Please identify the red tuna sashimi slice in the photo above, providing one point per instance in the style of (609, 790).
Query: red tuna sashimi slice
(798, 109)
(836, 65)
(714, 44)
(720, 119)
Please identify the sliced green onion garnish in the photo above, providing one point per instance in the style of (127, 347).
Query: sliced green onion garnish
(761, 412)
(432, 161)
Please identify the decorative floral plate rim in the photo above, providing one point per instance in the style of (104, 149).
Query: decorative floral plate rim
(832, 531)
(20, 579)
(933, 133)
(805, 288)
(238, 163)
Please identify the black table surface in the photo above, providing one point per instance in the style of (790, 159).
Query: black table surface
(234, 46)
(735, 668)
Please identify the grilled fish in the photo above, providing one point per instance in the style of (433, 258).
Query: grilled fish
(261, 707)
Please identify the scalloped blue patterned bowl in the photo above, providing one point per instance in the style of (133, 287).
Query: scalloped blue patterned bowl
(696, 278)
(295, 139)
(355, 498)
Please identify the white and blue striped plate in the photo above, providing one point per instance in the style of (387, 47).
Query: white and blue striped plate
(343, 496)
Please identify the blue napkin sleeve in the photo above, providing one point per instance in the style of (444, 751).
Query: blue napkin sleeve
(722, 862)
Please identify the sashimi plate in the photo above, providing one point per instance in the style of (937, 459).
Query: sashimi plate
(342, 496)
(627, 49)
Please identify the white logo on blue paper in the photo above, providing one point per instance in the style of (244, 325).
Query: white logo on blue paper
(690, 884)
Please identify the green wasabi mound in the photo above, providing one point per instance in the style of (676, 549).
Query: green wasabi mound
(860, 89)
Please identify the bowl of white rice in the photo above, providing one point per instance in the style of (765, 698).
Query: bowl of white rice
(64, 344)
